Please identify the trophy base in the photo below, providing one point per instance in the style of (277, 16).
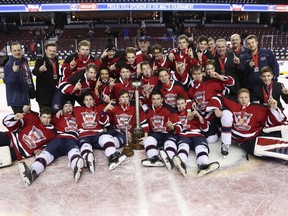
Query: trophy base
(136, 136)
(127, 151)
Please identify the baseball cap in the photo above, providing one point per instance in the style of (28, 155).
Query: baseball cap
(143, 38)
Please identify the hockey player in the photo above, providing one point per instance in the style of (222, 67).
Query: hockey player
(183, 59)
(164, 129)
(149, 81)
(249, 121)
(169, 88)
(78, 61)
(75, 86)
(122, 83)
(160, 59)
(192, 138)
(66, 143)
(109, 57)
(27, 132)
(102, 86)
(203, 93)
(91, 120)
(120, 115)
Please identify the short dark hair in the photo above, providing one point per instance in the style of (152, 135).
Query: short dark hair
(157, 92)
(46, 110)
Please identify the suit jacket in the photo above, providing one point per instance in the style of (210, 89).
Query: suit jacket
(257, 94)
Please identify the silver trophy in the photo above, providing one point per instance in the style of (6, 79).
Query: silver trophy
(127, 150)
(137, 132)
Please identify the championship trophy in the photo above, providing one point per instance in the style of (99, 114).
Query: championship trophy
(127, 150)
(137, 133)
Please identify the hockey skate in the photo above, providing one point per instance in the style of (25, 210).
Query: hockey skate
(115, 160)
(90, 162)
(208, 168)
(26, 174)
(155, 161)
(78, 169)
(178, 163)
(166, 160)
(224, 150)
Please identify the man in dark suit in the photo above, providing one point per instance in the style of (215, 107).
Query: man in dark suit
(269, 88)
(47, 75)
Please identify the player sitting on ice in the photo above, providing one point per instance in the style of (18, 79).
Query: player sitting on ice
(66, 143)
(249, 121)
(192, 137)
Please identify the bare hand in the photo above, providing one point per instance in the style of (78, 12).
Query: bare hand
(251, 63)
(73, 64)
(15, 67)
(284, 90)
(272, 103)
(78, 86)
(59, 114)
(19, 116)
(26, 108)
(171, 57)
(43, 67)
(236, 60)
(169, 124)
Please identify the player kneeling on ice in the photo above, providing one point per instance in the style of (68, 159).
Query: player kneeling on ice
(192, 137)
(248, 125)
(65, 143)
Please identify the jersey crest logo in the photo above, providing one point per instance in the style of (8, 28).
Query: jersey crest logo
(89, 120)
(242, 123)
(184, 120)
(158, 123)
(199, 97)
(34, 136)
(71, 125)
(121, 119)
(171, 99)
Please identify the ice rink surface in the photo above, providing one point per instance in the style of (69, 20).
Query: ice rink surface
(239, 187)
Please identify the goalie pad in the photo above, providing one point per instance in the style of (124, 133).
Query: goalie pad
(282, 128)
(5, 156)
(271, 147)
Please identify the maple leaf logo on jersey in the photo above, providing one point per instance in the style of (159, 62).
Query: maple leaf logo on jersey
(89, 120)
(71, 124)
(121, 119)
(171, 99)
(184, 120)
(34, 136)
(242, 124)
(199, 97)
(158, 122)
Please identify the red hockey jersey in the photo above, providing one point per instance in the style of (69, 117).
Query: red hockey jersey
(27, 134)
(159, 117)
(90, 120)
(249, 121)
(66, 126)
(120, 115)
(192, 128)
